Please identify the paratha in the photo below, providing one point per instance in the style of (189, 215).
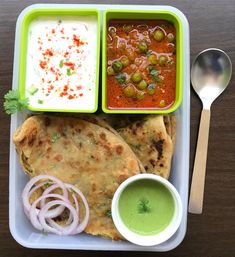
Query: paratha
(150, 141)
(81, 153)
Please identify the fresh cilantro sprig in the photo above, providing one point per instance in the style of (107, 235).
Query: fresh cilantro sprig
(13, 103)
(55, 136)
(121, 78)
(143, 206)
(109, 213)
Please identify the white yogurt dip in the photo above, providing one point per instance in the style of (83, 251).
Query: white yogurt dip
(61, 63)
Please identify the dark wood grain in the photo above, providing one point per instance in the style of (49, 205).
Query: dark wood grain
(211, 234)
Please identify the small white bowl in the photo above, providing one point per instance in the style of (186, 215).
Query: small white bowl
(147, 240)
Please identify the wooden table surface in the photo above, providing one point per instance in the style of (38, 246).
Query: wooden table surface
(212, 24)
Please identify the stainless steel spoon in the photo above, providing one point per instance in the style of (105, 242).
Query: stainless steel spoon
(210, 74)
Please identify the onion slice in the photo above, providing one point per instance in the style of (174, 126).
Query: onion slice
(43, 218)
(32, 182)
(58, 210)
(63, 230)
(84, 223)
(34, 212)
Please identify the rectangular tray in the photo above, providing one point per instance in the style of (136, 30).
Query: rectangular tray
(20, 227)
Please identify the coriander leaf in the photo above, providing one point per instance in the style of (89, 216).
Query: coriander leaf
(150, 68)
(12, 95)
(143, 206)
(69, 73)
(61, 64)
(155, 74)
(121, 78)
(47, 184)
(55, 137)
(13, 103)
(109, 213)
(32, 90)
(23, 103)
(149, 53)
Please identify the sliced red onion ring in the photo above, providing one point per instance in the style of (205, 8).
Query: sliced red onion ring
(34, 212)
(84, 223)
(42, 219)
(32, 182)
(58, 210)
(76, 203)
(67, 230)
(29, 195)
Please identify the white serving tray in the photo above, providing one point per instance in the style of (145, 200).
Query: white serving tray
(20, 227)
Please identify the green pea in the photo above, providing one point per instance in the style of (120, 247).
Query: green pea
(110, 71)
(170, 38)
(162, 103)
(140, 95)
(152, 59)
(142, 85)
(127, 28)
(136, 77)
(151, 89)
(129, 91)
(158, 35)
(117, 66)
(125, 61)
(143, 47)
(163, 60)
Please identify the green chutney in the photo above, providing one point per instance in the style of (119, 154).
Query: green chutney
(146, 207)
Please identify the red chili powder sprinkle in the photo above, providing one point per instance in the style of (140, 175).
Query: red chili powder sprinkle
(43, 64)
(63, 94)
(48, 52)
(66, 54)
(70, 97)
(66, 88)
(77, 41)
(69, 64)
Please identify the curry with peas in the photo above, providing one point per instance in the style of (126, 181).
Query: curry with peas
(141, 64)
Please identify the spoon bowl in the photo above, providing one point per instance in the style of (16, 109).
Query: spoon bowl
(210, 75)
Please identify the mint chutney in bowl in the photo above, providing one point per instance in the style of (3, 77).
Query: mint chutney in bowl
(146, 209)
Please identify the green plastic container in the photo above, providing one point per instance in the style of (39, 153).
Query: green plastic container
(56, 12)
(145, 15)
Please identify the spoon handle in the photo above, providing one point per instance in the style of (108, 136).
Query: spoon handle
(199, 170)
